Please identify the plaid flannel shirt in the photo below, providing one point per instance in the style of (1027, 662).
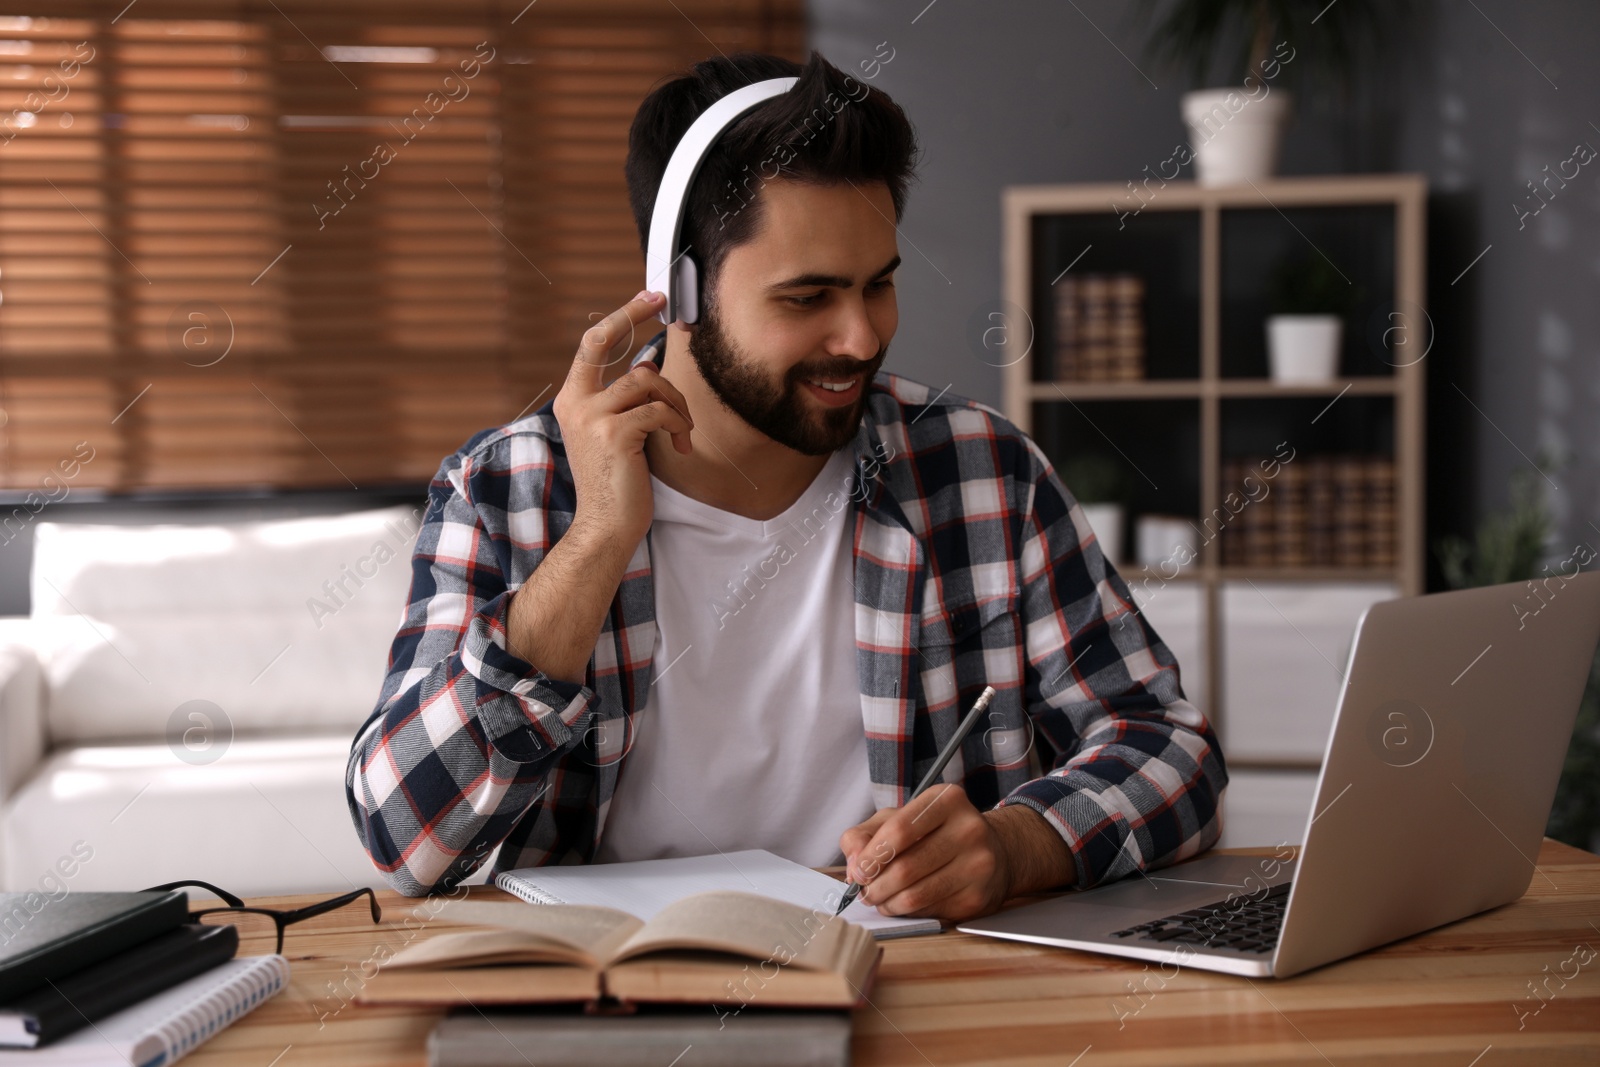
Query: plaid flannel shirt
(973, 566)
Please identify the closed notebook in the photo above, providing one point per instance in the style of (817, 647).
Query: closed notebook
(644, 887)
(169, 1025)
(85, 996)
(713, 948)
(681, 1037)
(43, 938)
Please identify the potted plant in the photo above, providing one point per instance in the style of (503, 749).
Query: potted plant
(1509, 546)
(1265, 45)
(1097, 483)
(1305, 332)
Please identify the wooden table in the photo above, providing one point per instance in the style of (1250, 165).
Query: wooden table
(1462, 995)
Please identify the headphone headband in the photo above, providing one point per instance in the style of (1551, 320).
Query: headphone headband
(679, 278)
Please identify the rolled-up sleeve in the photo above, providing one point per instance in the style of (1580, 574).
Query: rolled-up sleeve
(465, 733)
(1137, 774)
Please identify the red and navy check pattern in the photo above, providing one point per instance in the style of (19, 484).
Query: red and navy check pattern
(973, 566)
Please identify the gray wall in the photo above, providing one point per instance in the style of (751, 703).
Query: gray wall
(1478, 98)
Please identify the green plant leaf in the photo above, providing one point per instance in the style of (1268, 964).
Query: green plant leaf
(1328, 40)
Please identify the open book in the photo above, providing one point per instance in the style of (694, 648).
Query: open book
(711, 948)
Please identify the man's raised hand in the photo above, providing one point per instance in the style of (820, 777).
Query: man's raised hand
(605, 428)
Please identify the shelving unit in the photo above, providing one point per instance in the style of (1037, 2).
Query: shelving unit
(1205, 256)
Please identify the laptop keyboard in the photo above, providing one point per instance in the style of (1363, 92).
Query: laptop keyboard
(1244, 924)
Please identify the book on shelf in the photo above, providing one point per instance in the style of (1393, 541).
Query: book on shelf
(1099, 328)
(711, 948)
(498, 1037)
(1289, 518)
(1058, 364)
(1319, 511)
(1093, 352)
(1257, 524)
(1349, 512)
(1127, 327)
(1382, 513)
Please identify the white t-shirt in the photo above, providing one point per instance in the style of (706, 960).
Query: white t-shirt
(752, 733)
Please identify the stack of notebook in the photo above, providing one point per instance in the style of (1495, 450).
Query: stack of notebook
(119, 979)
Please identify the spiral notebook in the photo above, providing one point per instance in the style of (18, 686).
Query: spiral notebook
(169, 1025)
(644, 887)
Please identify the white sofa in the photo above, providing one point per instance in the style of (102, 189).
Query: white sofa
(181, 700)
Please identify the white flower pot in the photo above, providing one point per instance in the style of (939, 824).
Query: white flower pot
(1304, 348)
(1234, 136)
(1106, 520)
(1165, 541)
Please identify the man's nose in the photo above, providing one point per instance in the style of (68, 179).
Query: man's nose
(853, 333)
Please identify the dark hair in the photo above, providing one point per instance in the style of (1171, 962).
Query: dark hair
(829, 128)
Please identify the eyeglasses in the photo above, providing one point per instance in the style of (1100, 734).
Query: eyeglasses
(238, 910)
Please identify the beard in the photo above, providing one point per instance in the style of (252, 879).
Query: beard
(781, 410)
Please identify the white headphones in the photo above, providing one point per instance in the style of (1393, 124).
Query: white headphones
(680, 278)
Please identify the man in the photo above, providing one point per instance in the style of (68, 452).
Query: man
(741, 597)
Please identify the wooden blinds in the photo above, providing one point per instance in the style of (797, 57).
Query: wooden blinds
(297, 244)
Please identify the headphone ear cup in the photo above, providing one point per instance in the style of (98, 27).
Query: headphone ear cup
(687, 273)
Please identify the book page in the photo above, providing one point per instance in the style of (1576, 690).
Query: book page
(645, 887)
(747, 925)
(572, 932)
(483, 948)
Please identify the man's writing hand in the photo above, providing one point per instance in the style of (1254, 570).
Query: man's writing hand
(939, 856)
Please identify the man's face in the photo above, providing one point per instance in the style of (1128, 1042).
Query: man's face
(809, 299)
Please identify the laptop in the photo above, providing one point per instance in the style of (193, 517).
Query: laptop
(1448, 739)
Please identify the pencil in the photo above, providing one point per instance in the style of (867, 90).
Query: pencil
(950, 746)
